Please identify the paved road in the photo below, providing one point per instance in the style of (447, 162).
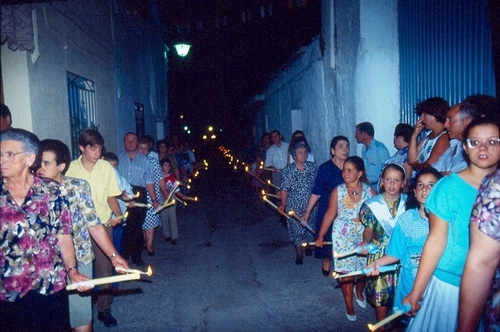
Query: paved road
(233, 269)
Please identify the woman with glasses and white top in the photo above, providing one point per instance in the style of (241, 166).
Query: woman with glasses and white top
(434, 297)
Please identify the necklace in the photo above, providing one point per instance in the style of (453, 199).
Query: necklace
(355, 193)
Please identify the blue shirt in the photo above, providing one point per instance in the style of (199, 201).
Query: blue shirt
(452, 160)
(374, 158)
(407, 243)
(451, 200)
(137, 171)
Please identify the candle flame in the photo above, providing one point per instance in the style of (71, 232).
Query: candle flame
(304, 244)
(335, 254)
(264, 197)
(370, 327)
(263, 192)
(149, 271)
(125, 215)
(137, 194)
(334, 274)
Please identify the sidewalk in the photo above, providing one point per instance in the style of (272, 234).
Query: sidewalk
(233, 269)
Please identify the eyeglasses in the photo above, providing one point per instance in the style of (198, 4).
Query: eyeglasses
(492, 143)
(9, 156)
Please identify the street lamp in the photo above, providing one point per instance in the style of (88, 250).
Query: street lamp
(182, 49)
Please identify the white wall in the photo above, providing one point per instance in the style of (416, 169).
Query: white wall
(377, 73)
(16, 87)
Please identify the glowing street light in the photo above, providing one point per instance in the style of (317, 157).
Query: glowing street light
(182, 49)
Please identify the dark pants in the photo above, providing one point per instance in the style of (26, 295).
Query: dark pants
(103, 268)
(133, 237)
(36, 312)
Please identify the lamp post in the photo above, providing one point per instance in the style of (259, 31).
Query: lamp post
(182, 49)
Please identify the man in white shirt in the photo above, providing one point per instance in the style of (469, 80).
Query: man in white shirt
(276, 156)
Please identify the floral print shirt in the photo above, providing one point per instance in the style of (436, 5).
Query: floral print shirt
(30, 257)
(84, 216)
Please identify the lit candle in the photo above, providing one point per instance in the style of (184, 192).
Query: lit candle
(273, 185)
(305, 244)
(397, 312)
(107, 280)
(194, 199)
(149, 272)
(371, 248)
(382, 269)
(268, 194)
(274, 206)
(180, 201)
(164, 205)
(176, 185)
(139, 205)
(292, 213)
(123, 216)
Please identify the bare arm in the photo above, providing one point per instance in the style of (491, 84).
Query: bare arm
(384, 260)
(414, 146)
(69, 259)
(482, 261)
(163, 189)
(312, 202)
(431, 254)
(113, 204)
(151, 190)
(284, 195)
(330, 215)
(101, 237)
(439, 148)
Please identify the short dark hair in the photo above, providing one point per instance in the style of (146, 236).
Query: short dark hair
(405, 130)
(165, 160)
(5, 111)
(484, 104)
(366, 127)
(57, 147)
(143, 140)
(90, 137)
(110, 156)
(435, 106)
(336, 139)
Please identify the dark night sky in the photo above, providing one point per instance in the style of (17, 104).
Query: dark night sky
(230, 64)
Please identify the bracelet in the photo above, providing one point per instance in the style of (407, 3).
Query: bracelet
(72, 268)
(113, 255)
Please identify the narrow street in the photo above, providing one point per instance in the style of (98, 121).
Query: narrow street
(233, 269)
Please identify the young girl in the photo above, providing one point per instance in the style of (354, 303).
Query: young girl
(449, 206)
(345, 201)
(169, 215)
(409, 235)
(379, 215)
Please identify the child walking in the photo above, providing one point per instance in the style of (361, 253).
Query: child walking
(435, 293)
(379, 215)
(347, 231)
(169, 214)
(409, 235)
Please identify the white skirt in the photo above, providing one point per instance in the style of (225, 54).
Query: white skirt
(439, 310)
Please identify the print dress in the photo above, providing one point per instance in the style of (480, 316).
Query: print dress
(153, 220)
(347, 230)
(298, 184)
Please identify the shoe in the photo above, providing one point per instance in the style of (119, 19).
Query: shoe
(106, 317)
(174, 242)
(326, 273)
(351, 318)
(298, 261)
(151, 253)
(362, 304)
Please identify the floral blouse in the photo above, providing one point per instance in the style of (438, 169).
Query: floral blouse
(30, 257)
(84, 217)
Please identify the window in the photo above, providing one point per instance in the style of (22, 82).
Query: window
(82, 108)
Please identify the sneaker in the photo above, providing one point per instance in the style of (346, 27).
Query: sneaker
(362, 304)
(106, 317)
(351, 318)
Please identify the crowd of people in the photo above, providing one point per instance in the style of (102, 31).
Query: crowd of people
(68, 221)
(419, 208)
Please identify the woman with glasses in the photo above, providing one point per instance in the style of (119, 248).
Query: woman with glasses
(36, 246)
(435, 295)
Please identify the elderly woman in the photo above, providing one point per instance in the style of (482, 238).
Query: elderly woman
(329, 176)
(298, 181)
(36, 250)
